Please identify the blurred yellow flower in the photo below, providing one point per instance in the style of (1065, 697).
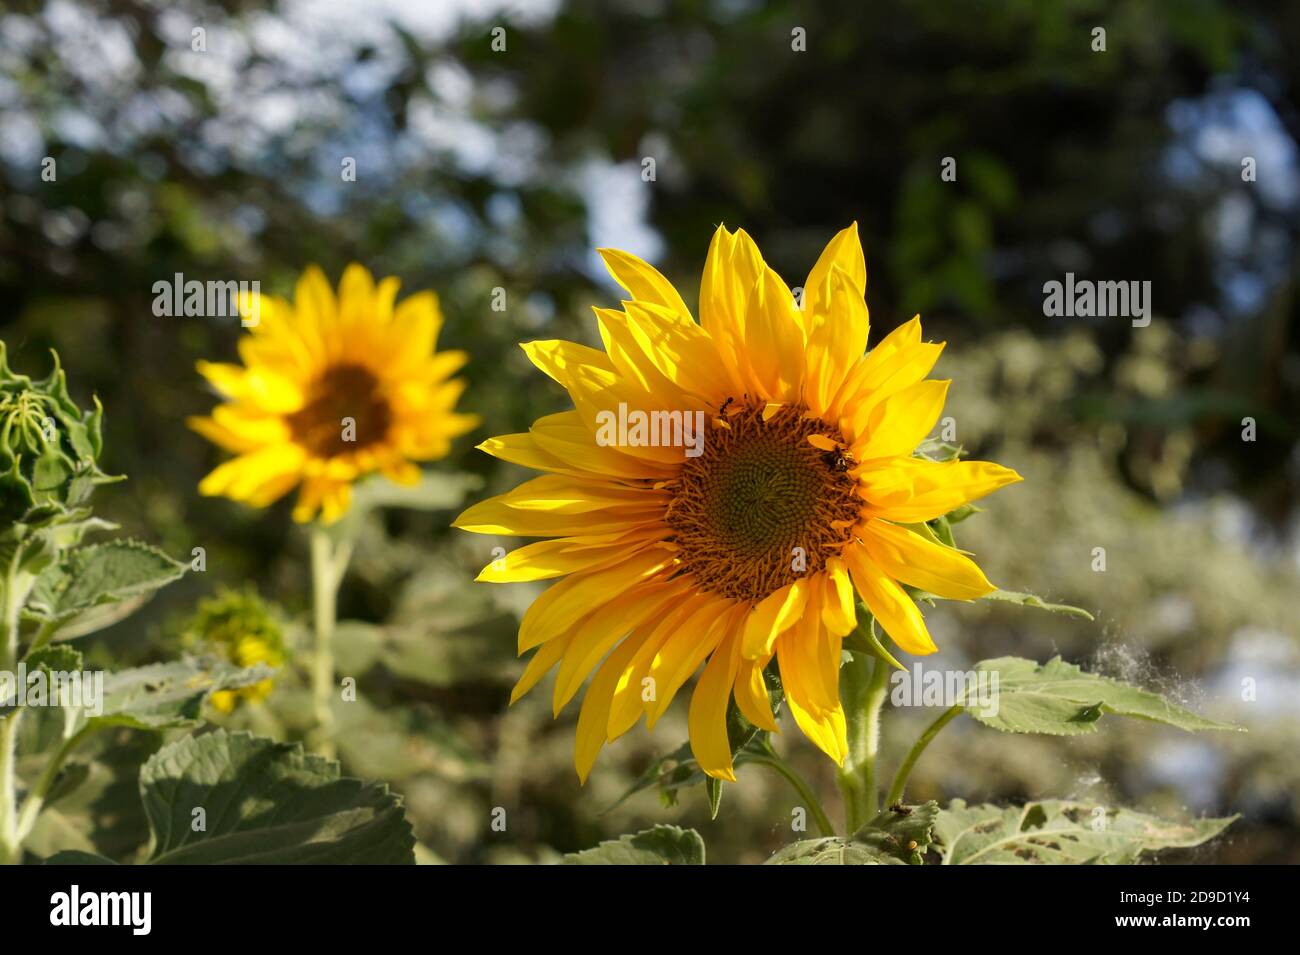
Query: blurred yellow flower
(720, 491)
(238, 626)
(331, 389)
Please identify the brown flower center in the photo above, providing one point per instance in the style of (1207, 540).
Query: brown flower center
(344, 412)
(761, 506)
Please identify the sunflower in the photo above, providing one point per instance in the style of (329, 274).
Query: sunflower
(750, 543)
(237, 625)
(331, 389)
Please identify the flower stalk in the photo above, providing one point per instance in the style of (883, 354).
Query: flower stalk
(773, 761)
(9, 620)
(899, 785)
(864, 685)
(329, 562)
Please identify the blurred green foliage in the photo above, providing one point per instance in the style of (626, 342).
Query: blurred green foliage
(479, 170)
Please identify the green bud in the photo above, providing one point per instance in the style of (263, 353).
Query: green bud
(48, 447)
(241, 627)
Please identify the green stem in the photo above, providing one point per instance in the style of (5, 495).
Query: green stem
(864, 685)
(35, 800)
(42, 638)
(779, 765)
(10, 850)
(328, 564)
(12, 601)
(905, 770)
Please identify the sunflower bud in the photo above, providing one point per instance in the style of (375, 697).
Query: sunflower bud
(48, 447)
(238, 626)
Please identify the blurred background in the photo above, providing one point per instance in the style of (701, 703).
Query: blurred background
(480, 168)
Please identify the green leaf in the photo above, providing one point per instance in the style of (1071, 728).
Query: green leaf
(1060, 832)
(1038, 603)
(168, 695)
(98, 574)
(936, 449)
(901, 831)
(265, 802)
(678, 769)
(713, 789)
(832, 851)
(59, 658)
(435, 491)
(1059, 699)
(78, 857)
(662, 845)
(864, 639)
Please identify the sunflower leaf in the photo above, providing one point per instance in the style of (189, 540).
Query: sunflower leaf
(1057, 698)
(713, 790)
(901, 831)
(662, 845)
(1059, 832)
(678, 769)
(96, 574)
(936, 449)
(864, 639)
(167, 695)
(832, 851)
(1038, 603)
(237, 798)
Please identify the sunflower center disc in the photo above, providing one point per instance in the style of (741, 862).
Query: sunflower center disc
(343, 392)
(761, 507)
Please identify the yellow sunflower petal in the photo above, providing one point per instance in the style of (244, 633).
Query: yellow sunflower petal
(751, 695)
(542, 661)
(594, 637)
(912, 490)
(566, 603)
(907, 556)
(774, 614)
(893, 609)
(844, 252)
(902, 421)
(643, 281)
(634, 689)
(837, 338)
(826, 728)
(683, 652)
(562, 555)
(593, 718)
(839, 612)
(707, 717)
(242, 477)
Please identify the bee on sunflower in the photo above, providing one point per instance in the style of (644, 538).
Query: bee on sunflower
(804, 495)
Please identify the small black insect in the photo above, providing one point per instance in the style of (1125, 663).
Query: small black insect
(726, 404)
(838, 459)
(902, 810)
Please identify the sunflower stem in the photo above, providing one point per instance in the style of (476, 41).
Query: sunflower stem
(773, 761)
(905, 770)
(10, 851)
(12, 600)
(864, 685)
(328, 564)
(35, 800)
